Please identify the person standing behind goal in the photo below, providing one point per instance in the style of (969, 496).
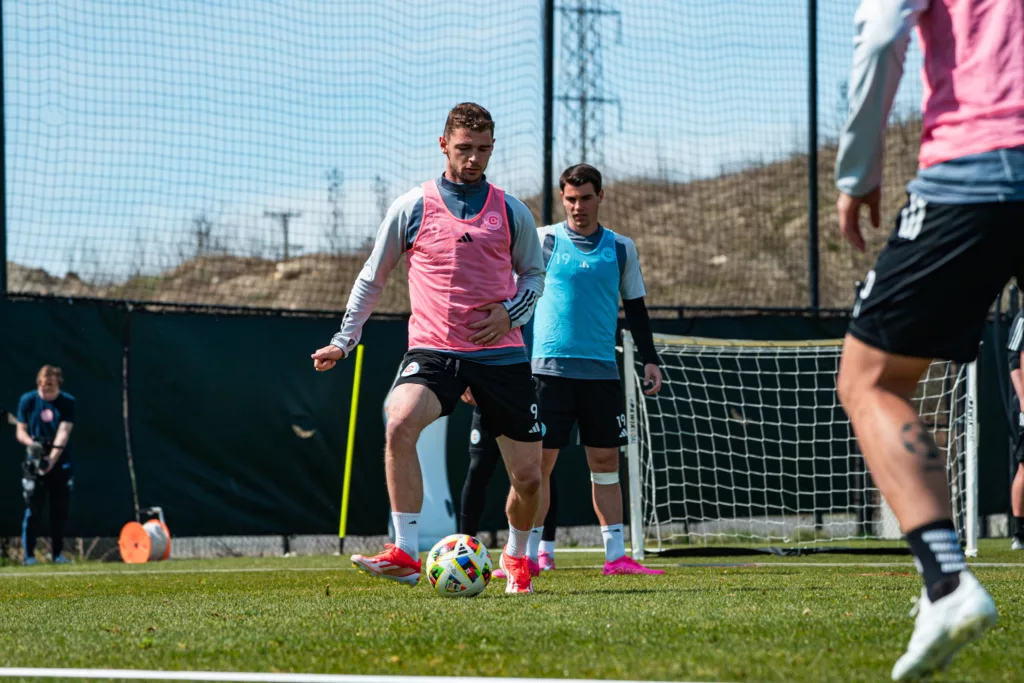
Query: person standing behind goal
(1014, 351)
(46, 417)
(475, 274)
(588, 268)
(957, 242)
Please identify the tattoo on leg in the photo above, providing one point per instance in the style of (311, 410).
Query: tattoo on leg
(918, 441)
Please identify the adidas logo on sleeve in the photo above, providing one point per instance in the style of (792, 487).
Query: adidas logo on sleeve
(466, 238)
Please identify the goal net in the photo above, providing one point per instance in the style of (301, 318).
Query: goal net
(747, 444)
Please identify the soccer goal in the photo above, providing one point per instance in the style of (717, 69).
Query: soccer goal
(747, 445)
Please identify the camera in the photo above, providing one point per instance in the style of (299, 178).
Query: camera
(35, 459)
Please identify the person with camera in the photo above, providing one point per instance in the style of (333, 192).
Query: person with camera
(45, 419)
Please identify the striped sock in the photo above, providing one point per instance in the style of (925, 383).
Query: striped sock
(938, 556)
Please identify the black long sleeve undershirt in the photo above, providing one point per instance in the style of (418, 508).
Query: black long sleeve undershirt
(640, 326)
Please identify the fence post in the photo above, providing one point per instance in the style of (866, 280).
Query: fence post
(812, 155)
(548, 25)
(3, 179)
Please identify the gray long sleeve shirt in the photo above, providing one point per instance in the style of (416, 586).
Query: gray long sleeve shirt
(396, 236)
(879, 51)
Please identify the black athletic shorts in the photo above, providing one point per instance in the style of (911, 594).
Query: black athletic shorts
(934, 282)
(504, 393)
(596, 405)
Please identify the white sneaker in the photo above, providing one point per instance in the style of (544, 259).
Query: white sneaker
(944, 626)
(1016, 545)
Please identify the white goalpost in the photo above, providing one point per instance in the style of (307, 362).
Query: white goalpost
(747, 444)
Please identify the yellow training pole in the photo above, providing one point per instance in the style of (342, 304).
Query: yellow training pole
(351, 446)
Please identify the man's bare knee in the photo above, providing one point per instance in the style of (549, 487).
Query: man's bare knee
(402, 432)
(864, 369)
(602, 460)
(526, 480)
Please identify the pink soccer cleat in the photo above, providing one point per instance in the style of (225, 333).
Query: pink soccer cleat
(535, 570)
(517, 571)
(627, 565)
(394, 564)
(546, 561)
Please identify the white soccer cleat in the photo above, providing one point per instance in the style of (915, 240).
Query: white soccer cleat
(945, 626)
(1016, 545)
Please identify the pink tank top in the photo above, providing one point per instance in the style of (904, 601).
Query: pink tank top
(973, 78)
(456, 266)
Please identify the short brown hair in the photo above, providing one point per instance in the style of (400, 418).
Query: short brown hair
(580, 175)
(49, 371)
(469, 116)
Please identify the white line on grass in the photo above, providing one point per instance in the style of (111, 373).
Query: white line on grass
(132, 674)
(670, 565)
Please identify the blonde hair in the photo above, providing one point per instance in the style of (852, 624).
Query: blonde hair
(49, 371)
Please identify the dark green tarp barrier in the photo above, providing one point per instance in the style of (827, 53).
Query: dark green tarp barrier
(86, 342)
(234, 433)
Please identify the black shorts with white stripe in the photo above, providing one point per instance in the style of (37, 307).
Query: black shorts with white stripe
(505, 394)
(937, 276)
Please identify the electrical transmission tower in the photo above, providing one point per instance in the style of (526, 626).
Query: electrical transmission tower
(284, 217)
(583, 95)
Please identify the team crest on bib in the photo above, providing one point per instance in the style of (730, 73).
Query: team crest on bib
(607, 255)
(474, 437)
(46, 415)
(492, 220)
(411, 369)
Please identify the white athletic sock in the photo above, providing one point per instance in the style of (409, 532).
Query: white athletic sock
(518, 541)
(407, 532)
(548, 547)
(614, 542)
(534, 546)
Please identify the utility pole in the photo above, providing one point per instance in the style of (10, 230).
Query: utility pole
(583, 76)
(813, 257)
(284, 217)
(548, 191)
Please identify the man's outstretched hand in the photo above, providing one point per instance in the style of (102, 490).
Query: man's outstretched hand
(326, 358)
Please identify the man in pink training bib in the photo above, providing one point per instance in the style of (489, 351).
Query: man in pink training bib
(957, 242)
(475, 274)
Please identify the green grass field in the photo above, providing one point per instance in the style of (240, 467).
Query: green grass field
(824, 618)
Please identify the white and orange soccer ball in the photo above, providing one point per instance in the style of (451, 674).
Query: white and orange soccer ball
(458, 566)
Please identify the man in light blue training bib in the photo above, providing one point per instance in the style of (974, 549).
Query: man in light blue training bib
(588, 268)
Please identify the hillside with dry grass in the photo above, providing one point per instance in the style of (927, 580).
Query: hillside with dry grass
(738, 239)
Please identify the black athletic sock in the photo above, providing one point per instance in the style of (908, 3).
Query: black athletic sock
(550, 524)
(940, 559)
(1018, 523)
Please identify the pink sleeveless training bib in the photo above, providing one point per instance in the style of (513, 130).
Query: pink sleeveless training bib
(456, 266)
(973, 78)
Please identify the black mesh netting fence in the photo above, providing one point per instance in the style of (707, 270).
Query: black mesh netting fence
(244, 153)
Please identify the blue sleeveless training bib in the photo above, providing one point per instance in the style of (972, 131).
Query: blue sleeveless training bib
(577, 315)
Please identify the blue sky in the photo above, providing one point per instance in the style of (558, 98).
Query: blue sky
(126, 120)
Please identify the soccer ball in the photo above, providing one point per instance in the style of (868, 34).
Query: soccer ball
(458, 566)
